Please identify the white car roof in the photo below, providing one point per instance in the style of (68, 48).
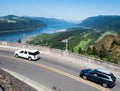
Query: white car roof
(28, 50)
(103, 70)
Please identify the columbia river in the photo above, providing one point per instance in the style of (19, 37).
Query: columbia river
(14, 36)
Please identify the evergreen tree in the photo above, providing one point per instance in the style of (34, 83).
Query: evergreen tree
(80, 51)
(89, 50)
(94, 51)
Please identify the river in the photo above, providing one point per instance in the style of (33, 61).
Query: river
(27, 34)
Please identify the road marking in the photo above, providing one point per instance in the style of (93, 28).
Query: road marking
(62, 73)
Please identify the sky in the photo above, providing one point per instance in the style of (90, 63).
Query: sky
(62, 9)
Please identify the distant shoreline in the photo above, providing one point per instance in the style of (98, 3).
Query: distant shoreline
(7, 31)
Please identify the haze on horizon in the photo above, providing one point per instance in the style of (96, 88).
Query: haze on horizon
(62, 9)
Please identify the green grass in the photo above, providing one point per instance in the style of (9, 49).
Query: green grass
(83, 44)
(104, 34)
(85, 35)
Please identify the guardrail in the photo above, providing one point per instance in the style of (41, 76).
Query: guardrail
(71, 57)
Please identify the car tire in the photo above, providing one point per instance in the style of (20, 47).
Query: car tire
(84, 77)
(29, 58)
(104, 85)
(16, 55)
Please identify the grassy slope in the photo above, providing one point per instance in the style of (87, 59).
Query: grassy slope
(77, 38)
(104, 34)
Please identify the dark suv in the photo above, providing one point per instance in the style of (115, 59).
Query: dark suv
(100, 76)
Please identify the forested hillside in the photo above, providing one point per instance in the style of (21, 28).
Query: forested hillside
(12, 22)
(100, 40)
(103, 22)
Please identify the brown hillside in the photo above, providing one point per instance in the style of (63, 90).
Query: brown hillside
(112, 44)
(107, 41)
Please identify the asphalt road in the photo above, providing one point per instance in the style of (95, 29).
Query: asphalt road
(51, 72)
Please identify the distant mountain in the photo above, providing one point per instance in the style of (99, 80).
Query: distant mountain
(102, 22)
(51, 21)
(12, 22)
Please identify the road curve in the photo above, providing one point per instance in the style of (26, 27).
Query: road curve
(50, 72)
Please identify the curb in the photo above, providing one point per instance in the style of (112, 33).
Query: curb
(24, 79)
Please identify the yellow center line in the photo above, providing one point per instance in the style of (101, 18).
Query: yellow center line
(63, 73)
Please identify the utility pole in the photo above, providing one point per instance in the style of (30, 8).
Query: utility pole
(67, 40)
(41, 42)
(66, 45)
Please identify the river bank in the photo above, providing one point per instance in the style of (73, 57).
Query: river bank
(14, 36)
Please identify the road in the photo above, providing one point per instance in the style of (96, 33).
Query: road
(51, 72)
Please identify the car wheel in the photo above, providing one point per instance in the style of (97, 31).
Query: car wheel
(16, 55)
(29, 58)
(104, 85)
(84, 77)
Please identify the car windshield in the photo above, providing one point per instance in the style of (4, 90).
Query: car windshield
(92, 71)
(113, 77)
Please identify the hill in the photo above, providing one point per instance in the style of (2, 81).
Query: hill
(12, 22)
(102, 22)
(109, 46)
(57, 40)
(107, 41)
(98, 43)
(51, 21)
(102, 43)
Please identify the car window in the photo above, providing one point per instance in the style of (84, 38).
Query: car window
(35, 53)
(113, 77)
(25, 52)
(102, 76)
(21, 51)
(31, 53)
(94, 74)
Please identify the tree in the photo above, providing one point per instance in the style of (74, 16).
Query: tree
(89, 50)
(80, 51)
(72, 49)
(94, 51)
(103, 53)
(19, 41)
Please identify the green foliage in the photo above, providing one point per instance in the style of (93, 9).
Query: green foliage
(12, 22)
(103, 22)
(89, 50)
(19, 41)
(80, 51)
(81, 41)
(103, 34)
(103, 53)
(94, 51)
